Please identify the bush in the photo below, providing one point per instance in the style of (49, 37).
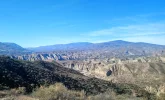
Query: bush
(58, 92)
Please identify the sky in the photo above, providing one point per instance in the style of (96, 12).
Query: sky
(33, 23)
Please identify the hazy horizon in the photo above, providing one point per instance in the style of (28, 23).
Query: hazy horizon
(37, 23)
(80, 42)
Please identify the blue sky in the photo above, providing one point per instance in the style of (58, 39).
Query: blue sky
(32, 23)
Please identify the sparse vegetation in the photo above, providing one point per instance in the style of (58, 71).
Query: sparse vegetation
(58, 92)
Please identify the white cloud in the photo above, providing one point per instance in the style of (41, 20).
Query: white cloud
(131, 30)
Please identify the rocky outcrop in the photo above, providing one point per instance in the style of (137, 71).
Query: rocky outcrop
(112, 68)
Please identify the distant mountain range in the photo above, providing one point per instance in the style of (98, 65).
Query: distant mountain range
(97, 46)
(12, 49)
(71, 46)
(112, 48)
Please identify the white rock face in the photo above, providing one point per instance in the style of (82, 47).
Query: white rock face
(137, 67)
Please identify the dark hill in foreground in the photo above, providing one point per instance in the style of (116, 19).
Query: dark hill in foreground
(14, 73)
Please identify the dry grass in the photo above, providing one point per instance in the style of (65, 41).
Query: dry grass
(110, 95)
(15, 94)
(17, 91)
(21, 97)
(58, 92)
(161, 96)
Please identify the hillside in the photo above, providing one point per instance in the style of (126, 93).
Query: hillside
(12, 49)
(14, 73)
(133, 68)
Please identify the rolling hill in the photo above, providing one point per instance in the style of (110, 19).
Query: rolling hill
(12, 49)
